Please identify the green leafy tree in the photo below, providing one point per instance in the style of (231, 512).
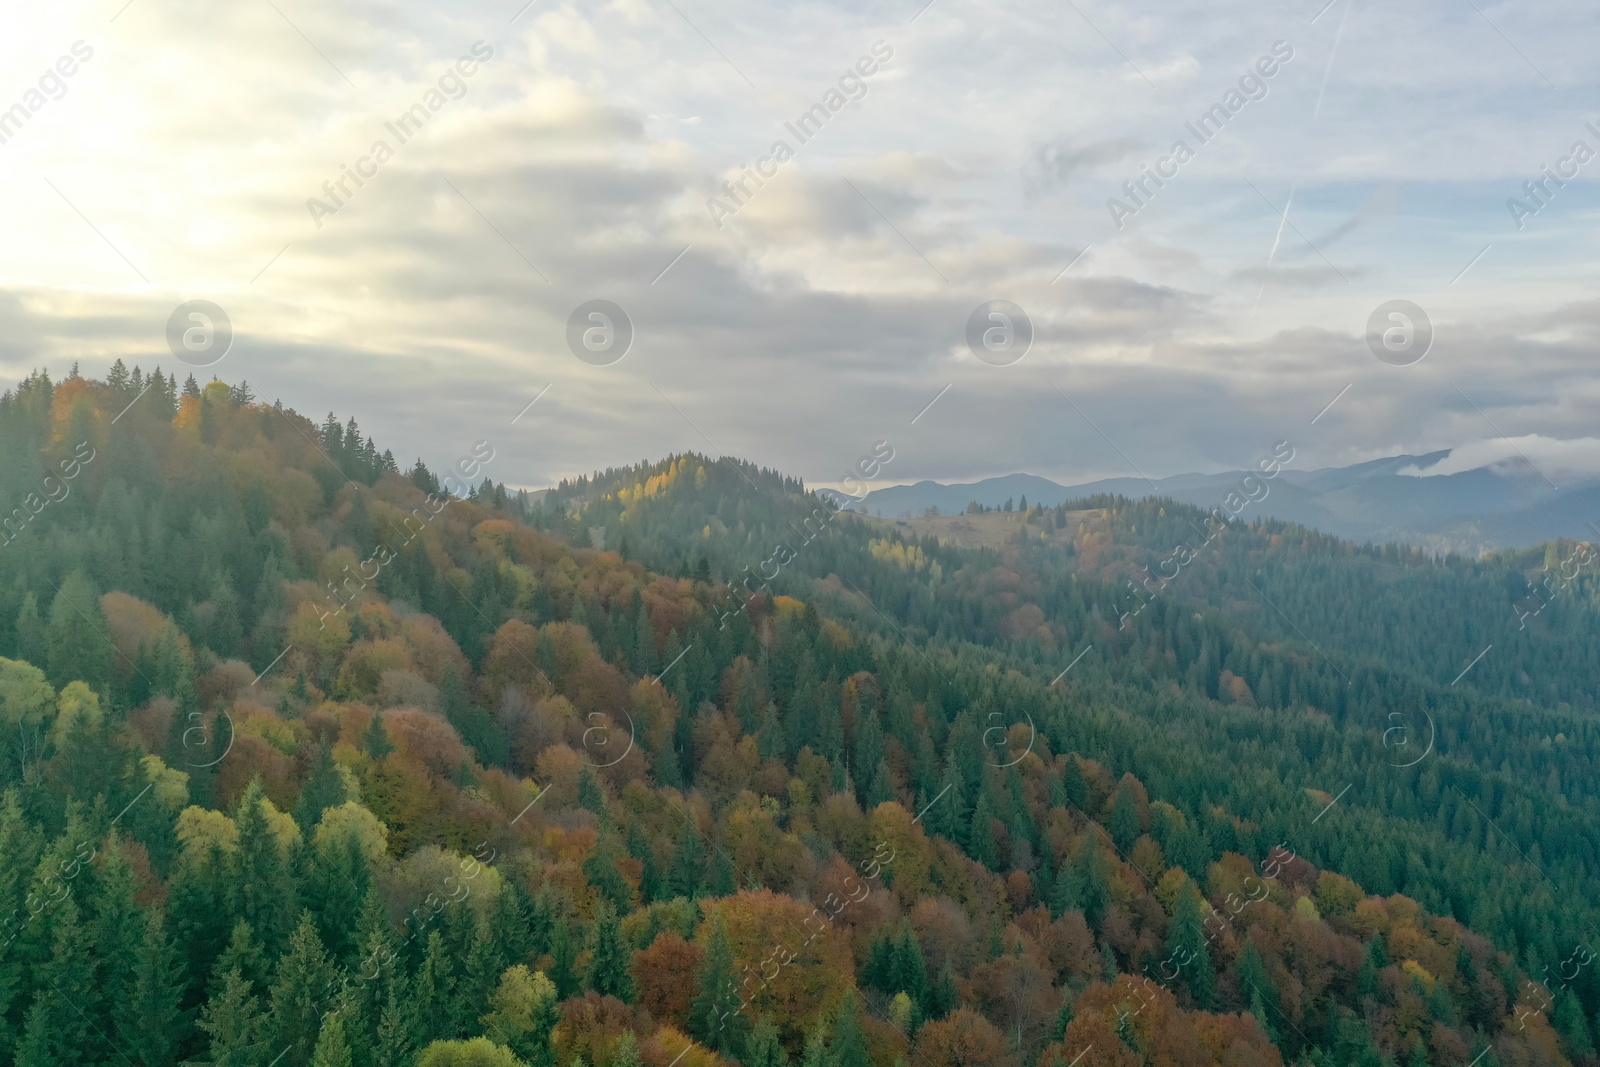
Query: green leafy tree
(688, 873)
(478, 1052)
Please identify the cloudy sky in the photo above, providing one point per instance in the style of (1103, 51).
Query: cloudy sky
(824, 311)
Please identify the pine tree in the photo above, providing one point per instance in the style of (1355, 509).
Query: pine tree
(332, 1049)
(610, 956)
(688, 872)
(947, 814)
(715, 1019)
(1186, 946)
(849, 1045)
(324, 789)
(869, 752)
(564, 956)
(233, 1020)
(395, 1041)
(30, 647)
(982, 846)
(433, 996)
(76, 646)
(376, 738)
(1258, 988)
(74, 995)
(300, 993)
(816, 1051)
(765, 1048)
(625, 1053)
(150, 1021)
(724, 881)
(261, 886)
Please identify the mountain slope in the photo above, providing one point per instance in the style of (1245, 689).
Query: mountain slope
(313, 760)
(1390, 499)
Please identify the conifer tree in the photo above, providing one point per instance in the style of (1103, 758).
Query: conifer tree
(610, 956)
(714, 1016)
(765, 1048)
(1186, 945)
(849, 1045)
(564, 956)
(688, 872)
(233, 1020)
(301, 989)
(261, 885)
(324, 789)
(149, 1021)
(332, 1049)
(982, 843)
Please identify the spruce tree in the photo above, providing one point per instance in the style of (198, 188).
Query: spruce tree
(714, 1016)
(849, 1045)
(261, 886)
(688, 872)
(610, 956)
(1186, 945)
(765, 1048)
(76, 646)
(564, 956)
(150, 1022)
(301, 990)
(324, 789)
(982, 846)
(233, 1020)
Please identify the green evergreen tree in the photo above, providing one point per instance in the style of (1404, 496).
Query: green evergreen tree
(150, 1022)
(324, 789)
(849, 1045)
(688, 872)
(332, 1050)
(1186, 946)
(714, 1016)
(564, 956)
(31, 644)
(609, 956)
(1258, 988)
(261, 884)
(723, 881)
(982, 846)
(376, 739)
(233, 1020)
(301, 991)
(76, 645)
(765, 1048)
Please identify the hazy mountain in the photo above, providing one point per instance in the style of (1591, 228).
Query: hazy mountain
(1390, 499)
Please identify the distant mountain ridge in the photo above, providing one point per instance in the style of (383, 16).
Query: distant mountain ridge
(1487, 508)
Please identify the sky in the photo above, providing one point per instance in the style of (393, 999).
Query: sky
(576, 152)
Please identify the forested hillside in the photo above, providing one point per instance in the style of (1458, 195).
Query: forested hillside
(314, 760)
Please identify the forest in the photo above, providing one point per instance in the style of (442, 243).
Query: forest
(316, 757)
